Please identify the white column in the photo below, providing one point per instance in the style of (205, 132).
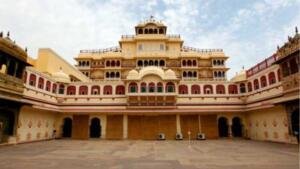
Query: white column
(125, 126)
(178, 127)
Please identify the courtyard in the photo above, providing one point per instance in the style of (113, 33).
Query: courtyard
(209, 154)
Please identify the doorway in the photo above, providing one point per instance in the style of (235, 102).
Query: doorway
(95, 128)
(223, 127)
(67, 127)
(236, 127)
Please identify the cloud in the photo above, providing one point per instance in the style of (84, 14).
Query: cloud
(247, 32)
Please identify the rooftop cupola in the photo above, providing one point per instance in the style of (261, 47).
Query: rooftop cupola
(151, 26)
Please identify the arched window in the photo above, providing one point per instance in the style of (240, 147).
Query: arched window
(71, 90)
(214, 62)
(146, 31)
(219, 74)
(272, 78)
(170, 87)
(184, 63)
(190, 74)
(145, 62)
(143, 87)
(61, 89)
(140, 31)
(220, 89)
(194, 74)
(151, 63)
(48, 86)
(151, 87)
(242, 88)
(117, 74)
(107, 90)
(95, 90)
(32, 80)
(120, 90)
(218, 62)
(41, 83)
(140, 63)
(133, 88)
(195, 89)
(159, 87)
(83, 90)
(232, 89)
(107, 63)
(215, 74)
(249, 87)
(118, 63)
(112, 74)
(156, 62)
(183, 89)
(194, 63)
(150, 31)
(263, 81)
(155, 31)
(184, 74)
(161, 31)
(113, 63)
(161, 63)
(54, 86)
(208, 89)
(189, 63)
(256, 84)
(107, 75)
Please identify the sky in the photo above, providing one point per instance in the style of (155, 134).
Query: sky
(247, 30)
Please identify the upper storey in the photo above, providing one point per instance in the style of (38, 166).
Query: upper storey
(150, 40)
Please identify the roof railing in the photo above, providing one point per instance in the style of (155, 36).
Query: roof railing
(111, 49)
(188, 49)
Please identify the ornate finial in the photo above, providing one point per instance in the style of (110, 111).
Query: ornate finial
(60, 68)
(151, 17)
(277, 47)
(243, 67)
(14, 42)
(26, 49)
(1, 34)
(296, 30)
(8, 34)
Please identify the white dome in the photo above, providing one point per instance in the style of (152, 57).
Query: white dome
(133, 74)
(241, 76)
(170, 74)
(60, 76)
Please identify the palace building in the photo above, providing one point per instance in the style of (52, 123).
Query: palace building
(149, 87)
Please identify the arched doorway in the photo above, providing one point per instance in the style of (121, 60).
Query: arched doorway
(223, 127)
(7, 121)
(236, 127)
(95, 128)
(67, 127)
(295, 123)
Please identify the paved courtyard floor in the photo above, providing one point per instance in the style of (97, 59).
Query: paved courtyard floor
(209, 154)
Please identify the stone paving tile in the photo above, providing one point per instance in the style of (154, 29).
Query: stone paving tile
(209, 154)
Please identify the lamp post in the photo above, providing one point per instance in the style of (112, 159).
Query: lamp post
(189, 133)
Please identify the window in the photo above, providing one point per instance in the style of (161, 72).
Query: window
(208, 89)
(48, 86)
(183, 89)
(151, 87)
(41, 83)
(95, 90)
(256, 84)
(54, 86)
(71, 90)
(195, 89)
(220, 89)
(249, 87)
(107, 90)
(83, 90)
(133, 87)
(170, 87)
(242, 88)
(32, 80)
(263, 81)
(232, 89)
(143, 87)
(120, 90)
(159, 87)
(272, 78)
(61, 89)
